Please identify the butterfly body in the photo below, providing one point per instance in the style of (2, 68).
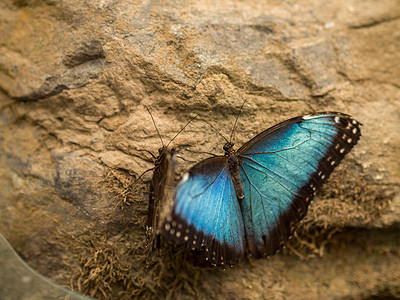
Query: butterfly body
(251, 199)
(234, 170)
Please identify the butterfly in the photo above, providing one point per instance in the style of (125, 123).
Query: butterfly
(161, 191)
(250, 199)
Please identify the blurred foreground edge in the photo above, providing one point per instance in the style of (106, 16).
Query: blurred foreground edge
(19, 281)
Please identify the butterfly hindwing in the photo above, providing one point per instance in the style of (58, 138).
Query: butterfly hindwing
(206, 214)
(282, 167)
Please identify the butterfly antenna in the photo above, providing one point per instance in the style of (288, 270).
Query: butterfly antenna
(237, 118)
(155, 125)
(215, 130)
(182, 129)
(144, 150)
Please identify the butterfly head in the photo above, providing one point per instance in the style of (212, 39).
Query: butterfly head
(165, 149)
(228, 148)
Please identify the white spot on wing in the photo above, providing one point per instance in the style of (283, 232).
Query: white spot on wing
(185, 177)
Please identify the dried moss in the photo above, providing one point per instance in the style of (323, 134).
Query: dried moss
(121, 185)
(348, 199)
(113, 267)
(108, 261)
(343, 202)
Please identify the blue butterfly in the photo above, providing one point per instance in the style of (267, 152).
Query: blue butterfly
(251, 199)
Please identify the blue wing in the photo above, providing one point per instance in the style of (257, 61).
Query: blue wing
(206, 214)
(281, 169)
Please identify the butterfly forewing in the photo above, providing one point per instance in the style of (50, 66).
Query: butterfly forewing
(161, 196)
(281, 169)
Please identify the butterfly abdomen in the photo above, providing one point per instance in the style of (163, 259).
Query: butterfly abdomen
(234, 171)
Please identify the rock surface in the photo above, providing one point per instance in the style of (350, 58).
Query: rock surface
(74, 81)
